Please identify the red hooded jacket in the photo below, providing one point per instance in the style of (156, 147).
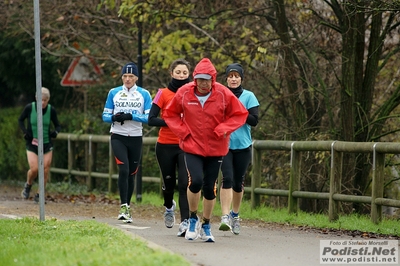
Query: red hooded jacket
(205, 130)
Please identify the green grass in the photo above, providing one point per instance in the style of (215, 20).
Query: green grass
(29, 241)
(345, 222)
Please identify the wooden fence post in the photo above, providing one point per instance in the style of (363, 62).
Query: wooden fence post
(71, 157)
(378, 166)
(255, 177)
(335, 182)
(110, 165)
(294, 181)
(89, 164)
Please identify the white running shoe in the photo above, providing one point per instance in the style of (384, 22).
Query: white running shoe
(225, 224)
(169, 216)
(128, 215)
(235, 224)
(183, 226)
(206, 233)
(193, 229)
(123, 212)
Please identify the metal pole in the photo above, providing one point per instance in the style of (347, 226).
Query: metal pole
(39, 106)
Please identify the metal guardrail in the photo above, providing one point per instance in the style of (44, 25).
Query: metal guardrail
(336, 149)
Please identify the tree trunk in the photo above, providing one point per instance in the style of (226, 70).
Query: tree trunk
(289, 70)
(349, 78)
(364, 96)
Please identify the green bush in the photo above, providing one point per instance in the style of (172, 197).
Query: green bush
(13, 161)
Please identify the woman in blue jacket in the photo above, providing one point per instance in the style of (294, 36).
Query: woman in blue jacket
(235, 163)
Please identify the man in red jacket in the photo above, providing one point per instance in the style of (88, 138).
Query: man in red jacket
(203, 114)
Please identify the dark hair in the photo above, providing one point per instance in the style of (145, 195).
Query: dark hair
(177, 62)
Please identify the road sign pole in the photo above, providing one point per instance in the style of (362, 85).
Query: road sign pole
(38, 70)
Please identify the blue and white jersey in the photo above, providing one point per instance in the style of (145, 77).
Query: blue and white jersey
(241, 137)
(136, 101)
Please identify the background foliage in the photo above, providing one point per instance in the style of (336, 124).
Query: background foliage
(321, 70)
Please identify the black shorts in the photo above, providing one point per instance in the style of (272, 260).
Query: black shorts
(47, 147)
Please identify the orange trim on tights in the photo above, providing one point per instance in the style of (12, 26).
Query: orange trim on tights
(118, 161)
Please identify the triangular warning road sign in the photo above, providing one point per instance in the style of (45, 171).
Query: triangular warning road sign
(82, 71)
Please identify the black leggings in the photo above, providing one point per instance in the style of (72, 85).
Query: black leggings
(171, 159)
(127, 152)
(234, 168)
(203, 173)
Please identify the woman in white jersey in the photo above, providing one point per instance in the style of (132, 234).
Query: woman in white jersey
(126, 108)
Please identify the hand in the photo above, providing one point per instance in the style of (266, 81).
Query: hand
(117, 117)
(28, 136)
(54, 134)
(122, 117)
(126, 116)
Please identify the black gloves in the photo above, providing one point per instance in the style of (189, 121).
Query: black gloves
(28, 136)
(121, 117)
(126, 116)
(117, 117)
(54, 134)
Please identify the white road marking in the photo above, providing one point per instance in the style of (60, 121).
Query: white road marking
(10, 216)
(133, 227)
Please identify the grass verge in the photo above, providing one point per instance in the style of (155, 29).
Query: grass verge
(29, 241)
(351, 222)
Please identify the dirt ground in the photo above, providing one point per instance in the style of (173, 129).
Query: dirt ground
(68, 205)
(91, 206)
(94, 207)
(59, 205)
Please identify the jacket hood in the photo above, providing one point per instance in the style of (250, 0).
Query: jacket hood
(205, 67)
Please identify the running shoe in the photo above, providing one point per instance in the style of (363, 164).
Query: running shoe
(36, 198)
(193, 229)
(123, 211)
(235, 224)
(128, 215)
(183, 226)
(225, 224)
(205, 233)
(25, 192)
(169, 216)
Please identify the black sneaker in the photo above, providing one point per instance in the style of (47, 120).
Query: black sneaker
(36, 198)
(25, 192)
